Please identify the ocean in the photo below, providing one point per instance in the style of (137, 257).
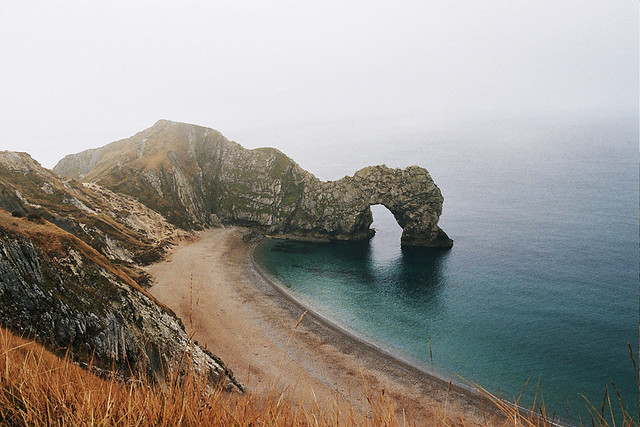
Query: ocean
(542, 281)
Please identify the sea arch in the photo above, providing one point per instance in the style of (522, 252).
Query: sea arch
(385, 225)
(340, 210)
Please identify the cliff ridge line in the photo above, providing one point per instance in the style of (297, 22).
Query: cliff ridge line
(197, 178)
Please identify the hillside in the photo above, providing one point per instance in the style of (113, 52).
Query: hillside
(188, 172)
(119, 227)
(68, 255)
(197, 178)
(40, 388)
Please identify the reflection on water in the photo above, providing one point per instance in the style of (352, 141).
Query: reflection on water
(543, 276)
(421, 271)
(360, 284)
(416, 273)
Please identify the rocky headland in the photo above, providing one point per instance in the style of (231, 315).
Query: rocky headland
(197, 178)
(74, 242)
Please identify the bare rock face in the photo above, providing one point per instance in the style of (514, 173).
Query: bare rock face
(341, 209)
(69, 275)
(66, 295)
(195, 177)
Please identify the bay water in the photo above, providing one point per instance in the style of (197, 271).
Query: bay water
(542, 281)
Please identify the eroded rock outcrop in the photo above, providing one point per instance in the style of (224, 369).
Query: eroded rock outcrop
(69, 276)
(196, 178)
(341, 209)
(65, 294)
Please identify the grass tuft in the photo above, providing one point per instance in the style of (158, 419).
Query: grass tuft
(38, 388)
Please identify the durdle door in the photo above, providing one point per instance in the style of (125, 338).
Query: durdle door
(197, 178)
(341, 209)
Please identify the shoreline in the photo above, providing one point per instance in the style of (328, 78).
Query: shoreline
(379, 350)
(459, 387)
(243, 315)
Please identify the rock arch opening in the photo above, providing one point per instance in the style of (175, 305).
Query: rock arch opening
(385, 224)
(384, 246)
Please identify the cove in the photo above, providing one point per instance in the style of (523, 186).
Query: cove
(542, 280)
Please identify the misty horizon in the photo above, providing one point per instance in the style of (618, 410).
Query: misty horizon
(290, 75)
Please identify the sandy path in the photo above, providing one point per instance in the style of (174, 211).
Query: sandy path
(213, 285)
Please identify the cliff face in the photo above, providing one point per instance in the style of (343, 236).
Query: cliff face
(197, 178)
(118, 226)
(64, 293)
(68, 259)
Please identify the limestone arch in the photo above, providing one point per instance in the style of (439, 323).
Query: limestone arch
(382, 216)
(340, 210)
(412, 198)
(418, 228)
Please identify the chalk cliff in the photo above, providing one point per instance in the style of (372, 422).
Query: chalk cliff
(197, 178)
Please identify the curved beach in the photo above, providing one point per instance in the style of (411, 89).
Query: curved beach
(253, 324)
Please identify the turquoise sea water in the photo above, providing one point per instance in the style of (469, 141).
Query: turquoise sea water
(543, 276)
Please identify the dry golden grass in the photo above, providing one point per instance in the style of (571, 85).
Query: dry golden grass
(38, 388)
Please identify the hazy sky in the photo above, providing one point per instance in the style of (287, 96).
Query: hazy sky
(80, 74)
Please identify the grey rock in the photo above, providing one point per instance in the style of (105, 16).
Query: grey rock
(99, 317)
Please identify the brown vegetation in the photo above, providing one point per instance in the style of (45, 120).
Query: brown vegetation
(39, 388)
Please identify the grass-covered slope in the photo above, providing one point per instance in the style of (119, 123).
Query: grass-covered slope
(40, 388)
(195, 177)
(70, 276)
(118, 226)
(188, 172)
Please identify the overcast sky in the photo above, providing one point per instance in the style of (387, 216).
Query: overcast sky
(80, 74)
